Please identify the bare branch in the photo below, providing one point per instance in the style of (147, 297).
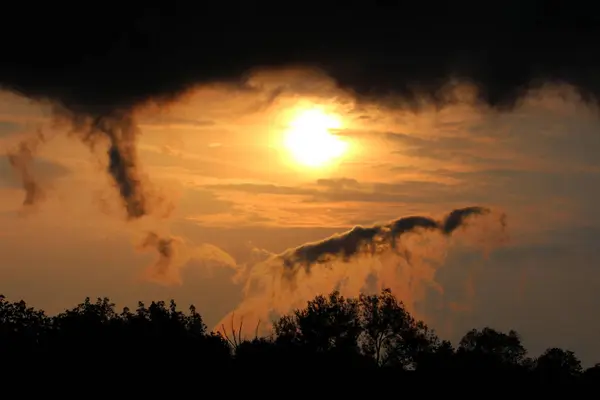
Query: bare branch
(240, 330)
(233, 331)
(227, 337)
(256, 330)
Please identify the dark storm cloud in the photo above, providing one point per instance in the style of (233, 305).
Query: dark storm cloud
(114, 58)
(96, 65)
(375, 239)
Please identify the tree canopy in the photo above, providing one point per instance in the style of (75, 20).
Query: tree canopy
(370, 332)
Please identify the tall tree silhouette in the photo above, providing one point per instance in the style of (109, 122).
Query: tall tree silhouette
(390, 334)
(327, 323)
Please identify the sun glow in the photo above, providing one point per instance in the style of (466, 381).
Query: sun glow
(310, 141)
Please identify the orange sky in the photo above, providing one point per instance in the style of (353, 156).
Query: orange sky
(216, 156)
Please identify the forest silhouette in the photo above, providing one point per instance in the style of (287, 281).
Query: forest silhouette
(332, 333)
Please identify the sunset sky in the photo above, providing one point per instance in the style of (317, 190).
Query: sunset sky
(229, 187)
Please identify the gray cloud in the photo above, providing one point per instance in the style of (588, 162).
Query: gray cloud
(375, 239)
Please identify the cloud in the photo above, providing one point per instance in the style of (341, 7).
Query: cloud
(175, 252)
(28, 174)
(404, 254)
(339, 183)
(200, 202)
(171, 122)
(505, 58)
(44, 170)
(376, 239)
(572, 191)
(466, 150)
(21, 159)
(217, 163)
(342, 201)
(98, 84)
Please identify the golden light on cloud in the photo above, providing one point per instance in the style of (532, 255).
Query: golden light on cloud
(310, 141)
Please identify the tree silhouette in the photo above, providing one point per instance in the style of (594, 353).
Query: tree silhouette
(558, 364)
(592, 374)
(332, 333)
(22, 328)
(390, 334)
(488, 348)
(326, 324)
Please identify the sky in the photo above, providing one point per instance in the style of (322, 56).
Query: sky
(231, 195)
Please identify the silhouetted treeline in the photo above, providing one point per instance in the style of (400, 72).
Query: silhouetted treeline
(332, 333)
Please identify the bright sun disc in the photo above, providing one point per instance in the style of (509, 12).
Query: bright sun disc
(310, 141)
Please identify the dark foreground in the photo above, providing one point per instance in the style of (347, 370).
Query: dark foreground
(344, 344)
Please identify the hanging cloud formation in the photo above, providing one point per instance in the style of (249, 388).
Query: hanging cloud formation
(376, 239)
(97, 68)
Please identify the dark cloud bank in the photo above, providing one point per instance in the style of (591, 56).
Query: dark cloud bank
(97, 65)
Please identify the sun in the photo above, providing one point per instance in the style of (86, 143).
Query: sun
(310, 141)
